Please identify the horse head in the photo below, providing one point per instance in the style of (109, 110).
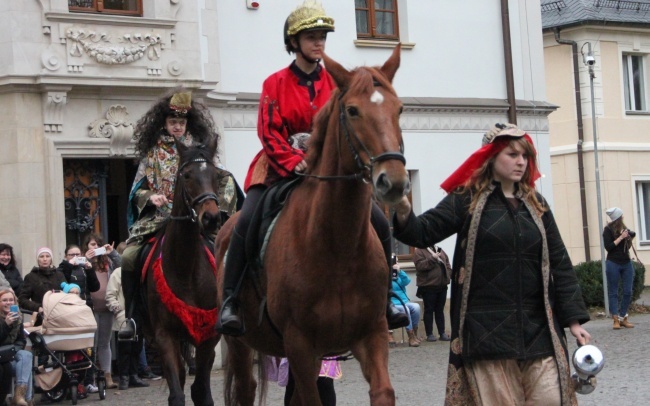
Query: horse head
(366, 109)
(195, 196)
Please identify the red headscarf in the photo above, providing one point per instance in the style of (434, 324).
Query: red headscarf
(475, 161)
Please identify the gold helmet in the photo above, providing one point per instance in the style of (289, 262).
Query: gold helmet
(306, 17)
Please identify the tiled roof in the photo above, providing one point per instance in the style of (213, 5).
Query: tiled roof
(564, 13)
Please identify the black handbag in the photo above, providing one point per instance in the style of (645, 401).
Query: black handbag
(7, 353)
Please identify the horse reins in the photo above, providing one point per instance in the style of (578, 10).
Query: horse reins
(364, 168)
(190, 203)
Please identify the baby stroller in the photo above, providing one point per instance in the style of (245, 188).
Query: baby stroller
(59, 346)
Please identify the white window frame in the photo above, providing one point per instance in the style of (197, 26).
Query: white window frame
(628, 87)
(643, 224)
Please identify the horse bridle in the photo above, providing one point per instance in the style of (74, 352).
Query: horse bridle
(191, 203)
(364, 168)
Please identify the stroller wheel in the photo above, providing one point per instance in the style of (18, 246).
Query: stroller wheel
(74, 391)
(101, 385)
(56, 395)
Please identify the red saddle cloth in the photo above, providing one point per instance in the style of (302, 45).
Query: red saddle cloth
(200, 323)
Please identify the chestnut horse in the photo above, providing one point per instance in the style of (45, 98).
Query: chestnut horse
(181, 276)
(325, 273)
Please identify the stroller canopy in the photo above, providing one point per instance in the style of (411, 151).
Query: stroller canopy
(65, 313)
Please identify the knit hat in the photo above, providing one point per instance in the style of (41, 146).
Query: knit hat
(614, 213)
(67, 287)
(42, 250)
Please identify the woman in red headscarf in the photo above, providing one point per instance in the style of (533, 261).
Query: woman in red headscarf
(514, 288)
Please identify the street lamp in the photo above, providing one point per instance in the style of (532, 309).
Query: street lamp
(590, 61)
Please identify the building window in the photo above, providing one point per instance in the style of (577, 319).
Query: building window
(124, 7)
(633, 83)
(377, 19)
(643, 207)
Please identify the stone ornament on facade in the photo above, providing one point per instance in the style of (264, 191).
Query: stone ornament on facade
(100, 47)
(117, 126)
(175, 67)
(53, 107)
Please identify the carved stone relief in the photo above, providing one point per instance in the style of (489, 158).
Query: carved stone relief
(53, 106)
(104, 49)
(117, 126)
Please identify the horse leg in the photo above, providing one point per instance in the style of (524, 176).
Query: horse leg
(240, 373)
(173, 369)
(201, 393)
(372, 353)
(304, 366)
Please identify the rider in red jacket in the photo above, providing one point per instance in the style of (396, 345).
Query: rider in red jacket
(290, 99)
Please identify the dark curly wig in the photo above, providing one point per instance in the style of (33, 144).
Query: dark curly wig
(199, 123)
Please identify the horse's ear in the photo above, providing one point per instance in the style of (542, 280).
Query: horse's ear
(391, 65)
(212, 145)
(341, 75)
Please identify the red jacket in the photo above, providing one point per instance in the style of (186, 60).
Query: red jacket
(285, 109)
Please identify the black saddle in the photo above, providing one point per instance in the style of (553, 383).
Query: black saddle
(267, 209)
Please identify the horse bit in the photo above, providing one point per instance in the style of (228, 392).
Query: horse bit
(189, 204)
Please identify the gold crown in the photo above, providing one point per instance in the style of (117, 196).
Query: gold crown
(310, 15)
(181, 103)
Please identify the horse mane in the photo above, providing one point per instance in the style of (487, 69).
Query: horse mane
(363, 82)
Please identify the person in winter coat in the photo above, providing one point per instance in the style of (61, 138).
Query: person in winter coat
(77, 269)
(104, 259)
(617, 239)
(42, 278)
(399, 281)
(8, 268)
(11, 332)
(128, 351)
(433, 273)
(514, 289)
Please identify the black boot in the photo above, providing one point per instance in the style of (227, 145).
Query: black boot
(394, 316)
(124, 382)
(230, 322)
(130, 287)
(136, 382)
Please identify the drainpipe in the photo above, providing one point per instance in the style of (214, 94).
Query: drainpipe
(507, 51)
(581, 168)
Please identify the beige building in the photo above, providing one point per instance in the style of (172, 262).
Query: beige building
(617, 33)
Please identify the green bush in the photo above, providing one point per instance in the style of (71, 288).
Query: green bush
(590, 277)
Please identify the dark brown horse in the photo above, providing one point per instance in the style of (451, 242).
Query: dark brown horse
(325, 274)
(181, 279)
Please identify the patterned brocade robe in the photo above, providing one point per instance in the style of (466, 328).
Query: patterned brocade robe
(157, 175)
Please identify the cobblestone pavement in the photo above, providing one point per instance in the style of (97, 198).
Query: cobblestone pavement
(418, 374)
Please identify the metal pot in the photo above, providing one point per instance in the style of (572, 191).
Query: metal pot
(588, 361)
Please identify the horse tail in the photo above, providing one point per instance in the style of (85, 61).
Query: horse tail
(261, 377)
(239, 384)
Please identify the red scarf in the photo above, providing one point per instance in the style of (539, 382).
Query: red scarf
(475, 161)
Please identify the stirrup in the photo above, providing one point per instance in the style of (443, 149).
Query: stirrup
(127, 331)
(226, 330)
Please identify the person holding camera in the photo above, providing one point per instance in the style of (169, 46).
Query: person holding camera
(618, 267)
(433, 273)
(514, 288)
(79, 270)
(42, 278)
(401, 301)
(11, 333)
(104, 259)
